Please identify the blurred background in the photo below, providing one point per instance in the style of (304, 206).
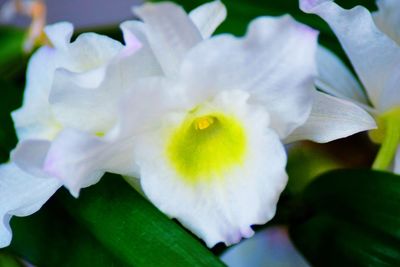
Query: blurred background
(83, 14)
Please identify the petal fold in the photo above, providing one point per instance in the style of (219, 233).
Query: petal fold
(30, 155)
(373, 54)
(170, 31)
(332, 118)
(20, 195)
(60, 34)
(387, 18)
(208, 17)
(79, 159)
(336, 79)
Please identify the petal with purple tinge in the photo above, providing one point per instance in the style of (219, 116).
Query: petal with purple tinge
(79, 159)
(268, 248)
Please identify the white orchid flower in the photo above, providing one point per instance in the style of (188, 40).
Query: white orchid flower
(206, 136)
(68, 85)
(372, 43)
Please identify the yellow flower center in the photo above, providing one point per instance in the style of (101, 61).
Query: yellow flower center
(204, 147)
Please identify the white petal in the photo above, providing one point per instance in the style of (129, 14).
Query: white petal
(90, 51)
(79, 160)
(88, 100)
(397, 162)
(170, 32)
(332, 118)
(208, 17)
(34, 119)
(221, 209)
(30, 156)
(60, 34)
(149, 99)
(387, 18)
(21, 195)
(336, 79)
(373, 54)
(267, 248)
(391, 94)
(143, 62)
(75, 102)
(275, 62)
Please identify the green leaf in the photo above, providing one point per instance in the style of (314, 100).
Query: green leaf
(306, 162)
(51, 238)
(350, 219)
(133, 229)
(7, 260)
(12, 57)
(10, 99)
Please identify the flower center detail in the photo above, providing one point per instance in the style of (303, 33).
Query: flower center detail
(205, 147)
(203, 123)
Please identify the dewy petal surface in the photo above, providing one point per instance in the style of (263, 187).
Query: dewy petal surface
(332, 118)
(217, 206)
(373, 54)
(259, 63)
(208, 17)
(21, 195)
(170, 31)
(336, 79)
(387, 18)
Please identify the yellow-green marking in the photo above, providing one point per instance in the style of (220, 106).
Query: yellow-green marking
(388, 135)
(206, 146)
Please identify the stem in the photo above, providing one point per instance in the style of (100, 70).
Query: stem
(389, 145)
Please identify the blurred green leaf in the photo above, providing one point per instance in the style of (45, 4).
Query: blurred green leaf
(51, 238)
(12, 57)
(7, 260)
(305, 163)
(132, 228)
(10, 99)
(350, 219)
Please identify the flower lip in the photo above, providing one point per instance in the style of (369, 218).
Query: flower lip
(205, 146)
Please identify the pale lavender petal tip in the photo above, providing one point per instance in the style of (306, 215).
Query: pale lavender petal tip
(51, 167)
(308, 5)
(132, 43)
